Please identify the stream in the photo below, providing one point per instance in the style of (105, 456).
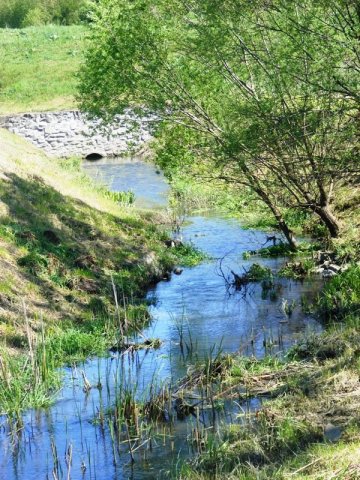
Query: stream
(196, 307)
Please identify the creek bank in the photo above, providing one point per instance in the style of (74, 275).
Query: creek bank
(311, 400)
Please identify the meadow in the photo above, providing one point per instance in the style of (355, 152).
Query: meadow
(38, 67)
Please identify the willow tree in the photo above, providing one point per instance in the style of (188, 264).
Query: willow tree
(264, 86)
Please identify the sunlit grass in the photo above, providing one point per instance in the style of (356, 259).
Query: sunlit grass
(38, 67)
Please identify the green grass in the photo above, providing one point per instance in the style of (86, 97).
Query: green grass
(25, 382)
(38, 67)
(341, 296)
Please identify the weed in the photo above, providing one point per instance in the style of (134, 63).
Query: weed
(188, 255)
(258, 272)
(297, 270)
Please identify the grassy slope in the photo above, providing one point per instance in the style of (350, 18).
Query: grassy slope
(64, 278)
(64, 245)
(38, 66)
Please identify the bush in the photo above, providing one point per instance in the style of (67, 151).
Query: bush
(25, 13)
(69, 12)
(35, 17)
(13, 12)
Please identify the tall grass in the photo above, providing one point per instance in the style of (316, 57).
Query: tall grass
(340, 298)
(26, 381)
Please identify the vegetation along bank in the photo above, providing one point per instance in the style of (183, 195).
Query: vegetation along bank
(75, 265)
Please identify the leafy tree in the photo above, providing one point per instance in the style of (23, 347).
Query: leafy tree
(267, 89)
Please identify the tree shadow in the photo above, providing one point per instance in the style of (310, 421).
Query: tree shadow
(69, 247)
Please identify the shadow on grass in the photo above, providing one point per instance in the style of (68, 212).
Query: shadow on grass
(71, 251)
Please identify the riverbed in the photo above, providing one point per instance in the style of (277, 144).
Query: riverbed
(195, 316)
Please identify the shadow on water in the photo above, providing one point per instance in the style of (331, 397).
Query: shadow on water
(192, 316)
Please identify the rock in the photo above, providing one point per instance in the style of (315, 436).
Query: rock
(178, 271)
(178, 243)
(328, 273)
(170, 243)
(150, 259)
(332, 433)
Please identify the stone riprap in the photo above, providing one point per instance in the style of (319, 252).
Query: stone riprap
(71, 133)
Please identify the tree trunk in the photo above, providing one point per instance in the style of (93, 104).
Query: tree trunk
(289, 234)
(329, 220)
(283, 226)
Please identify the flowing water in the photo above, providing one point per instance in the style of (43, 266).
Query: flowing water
(196, 307)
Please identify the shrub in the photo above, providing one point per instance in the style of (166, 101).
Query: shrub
(35, 17)
(25, 13)
(13, 12)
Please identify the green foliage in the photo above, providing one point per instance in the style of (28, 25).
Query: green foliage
(188, 255)
(269, 109)
(297, 270)
(283, 250)
(25, 13)
(74, 344)
(125, 198)
(253, 366)
(270, 440)
(321, 347)
(26, 381)
(34, 262)
(73, 164)
(258, 272)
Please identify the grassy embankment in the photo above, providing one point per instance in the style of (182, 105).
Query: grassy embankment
(308, 426)
(38, 66)
(65, 246)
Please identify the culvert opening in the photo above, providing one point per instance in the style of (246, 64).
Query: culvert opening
(94, 156)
